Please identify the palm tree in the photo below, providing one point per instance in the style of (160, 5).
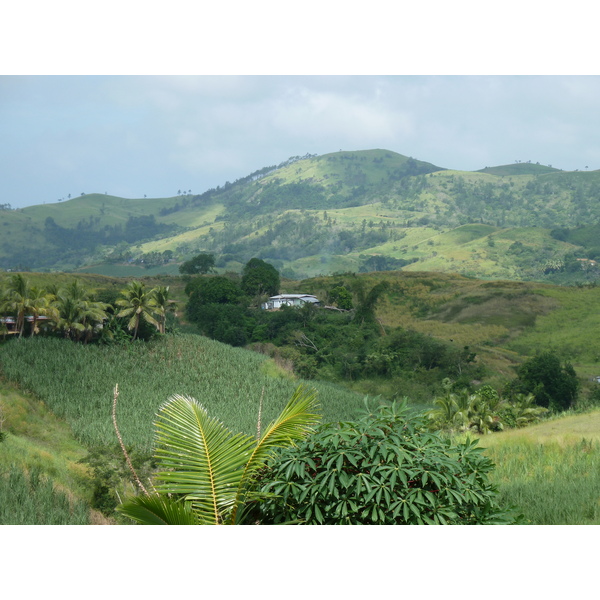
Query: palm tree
(137, 304)
(40, 304)
(18, 298)
(525, 411)
(205, 470)
(163, 305)
(78, 313)
(365, 309)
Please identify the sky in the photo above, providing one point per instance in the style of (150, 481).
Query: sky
(132, 136)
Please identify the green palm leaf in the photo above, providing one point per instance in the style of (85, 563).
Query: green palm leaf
(294, 423)
(158, 510)
(200, 458)
(205, 469)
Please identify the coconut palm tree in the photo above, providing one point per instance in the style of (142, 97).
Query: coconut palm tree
(205, 470)
(138, 304)
(18, 294)
(40, 304)
(79, 315)
(163, 305)
(525, 411)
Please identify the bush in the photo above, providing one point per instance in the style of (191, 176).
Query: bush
(554, 385)
(384, 469)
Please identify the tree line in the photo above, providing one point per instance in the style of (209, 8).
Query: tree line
(77, 313)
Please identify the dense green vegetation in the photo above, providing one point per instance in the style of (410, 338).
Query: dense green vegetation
(384, 469)
(31, 499)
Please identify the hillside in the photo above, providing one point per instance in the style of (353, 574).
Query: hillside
(362, 211)
(53, 422)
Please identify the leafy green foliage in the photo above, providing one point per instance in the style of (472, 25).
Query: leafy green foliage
(383, 469)
(211, 290)
(198, 265)
(554, 384)
(341, 297)
(259, 278)
(484, 411)
(110, 471)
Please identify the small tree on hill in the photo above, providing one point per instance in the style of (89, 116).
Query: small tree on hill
(199, 265)
(341, 297)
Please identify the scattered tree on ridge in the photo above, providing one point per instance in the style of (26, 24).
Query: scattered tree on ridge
(199, 265)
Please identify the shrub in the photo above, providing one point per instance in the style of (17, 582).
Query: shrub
(383, 469)
(554, 385)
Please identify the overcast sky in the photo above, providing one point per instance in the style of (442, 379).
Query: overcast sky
(154, 135)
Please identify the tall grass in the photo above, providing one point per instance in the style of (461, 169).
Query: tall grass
(550, 471)
(76, 382)
(549, 483)
(31, 499)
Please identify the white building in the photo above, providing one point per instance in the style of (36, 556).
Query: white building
(276, 302)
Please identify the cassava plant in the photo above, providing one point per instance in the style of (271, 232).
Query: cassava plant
(385, 469)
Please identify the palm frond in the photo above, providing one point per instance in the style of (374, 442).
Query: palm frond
(157, 509)
(199, 457)
(295, 422)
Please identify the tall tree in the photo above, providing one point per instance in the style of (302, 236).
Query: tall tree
(259, 278)
(554, 385)
(163, 305)
(18, 298)
(138, 304)
(365, 310)
(78, 314)
(40, 304)
(198, 265)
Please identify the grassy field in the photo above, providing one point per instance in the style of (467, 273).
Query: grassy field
(76, 382)
(550, 471)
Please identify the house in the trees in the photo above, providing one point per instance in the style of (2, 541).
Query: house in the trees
(8, 325)
(276, 302)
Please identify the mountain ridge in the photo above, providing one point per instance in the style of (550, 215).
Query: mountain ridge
(348, 210)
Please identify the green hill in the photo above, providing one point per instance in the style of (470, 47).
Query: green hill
(345, 211)
(519, 169)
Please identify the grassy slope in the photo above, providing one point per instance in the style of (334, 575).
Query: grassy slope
(37, 439)
(111, 210)
(549, 471)
(504, 321)
(228, 381)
